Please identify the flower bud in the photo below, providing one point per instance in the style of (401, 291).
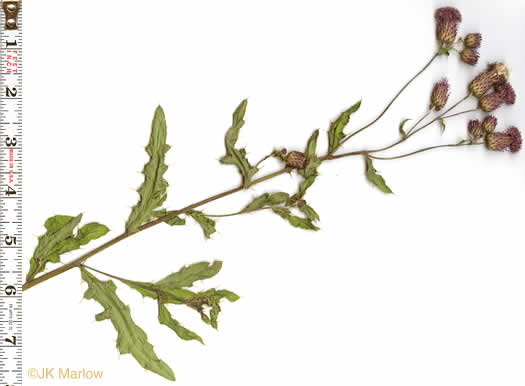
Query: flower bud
(496, 73)
(296, 160)
(447, 19)
(509, 140)
(489, 124)
(507, 92)
(472, 40)
(491, 102)
(440, 94)
(474, 128)
(469, 56)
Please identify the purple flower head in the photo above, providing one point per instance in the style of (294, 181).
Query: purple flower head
(496, 73)
(507, 92)
(440, 94)
(447, 20)
(489, 124)
(472, 40)
(515, 134)
(469, 56)
(491, 102)
(509, 140)
(475, 129)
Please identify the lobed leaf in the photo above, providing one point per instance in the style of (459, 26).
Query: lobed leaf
(206, 223)
(131, 338)
(153, 190)
(374, 178)
(335, 133)
(188, 275)
(181, 331)
(59, 239)
(236, 156)
(266, 199)
(172, 221)
(298, 222)
(309, 212)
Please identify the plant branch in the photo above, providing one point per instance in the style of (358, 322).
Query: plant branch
(426, 149)
(393, 99)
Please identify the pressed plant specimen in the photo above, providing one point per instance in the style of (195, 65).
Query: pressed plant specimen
(490, 88)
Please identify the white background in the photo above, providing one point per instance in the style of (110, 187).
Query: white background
(424, 287)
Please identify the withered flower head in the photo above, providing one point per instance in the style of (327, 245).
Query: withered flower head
(496, 73)
(507, 92)
(296, 160)
(440, 94)
(489, 124)
(472, 40)
(491, 102)
(475, 129)
(447, 19)
(515, 134)
(509, 140)
(499, 72)
(469, 56)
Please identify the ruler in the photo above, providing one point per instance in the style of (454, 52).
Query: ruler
(11, 274)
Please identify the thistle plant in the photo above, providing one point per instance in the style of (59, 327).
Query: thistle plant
(489, 89)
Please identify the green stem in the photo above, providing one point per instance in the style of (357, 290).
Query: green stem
(236, 213)
(461, 113)
(393, 99)
(426, 149)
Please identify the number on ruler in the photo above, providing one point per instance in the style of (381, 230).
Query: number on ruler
(10, 141)
(10, 191)
(10, 92)
(9, 240)
(10, 290)
(12, 340)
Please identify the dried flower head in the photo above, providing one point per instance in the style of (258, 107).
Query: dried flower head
(469, 56)
(509, 140)
(447, 19)
(515, 134)
(489, 124)
(440, 94)
(475, 129)
(496, 73)
(472, 40)
(296, 160)
(491, 102)
(507, 92)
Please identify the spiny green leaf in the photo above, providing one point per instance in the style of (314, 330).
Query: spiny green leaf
(181, 331)
(206, 223)
(153, 190)
(172, 221)
(295, 221)
(150, 290)
(336, 134)
(309, 212)
(57, 240)
(91, 231)
(266, 199)
(186, 276)
(401, 127)
(236, 156)
(131, 338)
(374, 178)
